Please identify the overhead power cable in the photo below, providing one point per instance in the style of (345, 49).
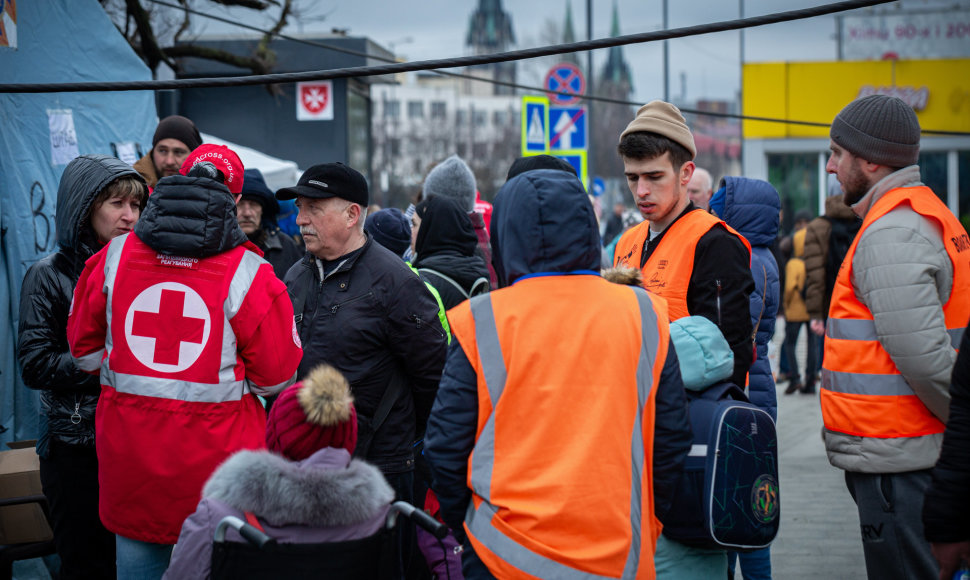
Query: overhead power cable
(682, 32)
(395, 68)
(470, 77)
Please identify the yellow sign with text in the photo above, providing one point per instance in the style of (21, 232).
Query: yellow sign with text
(814, 92)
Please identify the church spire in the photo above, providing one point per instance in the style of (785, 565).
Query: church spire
(616, 71)
(569, 35)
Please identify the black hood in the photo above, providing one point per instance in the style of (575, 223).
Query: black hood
(543, 221)
(82, 181)
(190, 216)
(445, 227)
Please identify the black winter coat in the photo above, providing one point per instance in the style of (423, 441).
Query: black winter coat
(377, 323)
(946, 506)
(69, 395)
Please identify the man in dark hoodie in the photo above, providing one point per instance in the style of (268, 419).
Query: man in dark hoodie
(186, 324)
(525, 429)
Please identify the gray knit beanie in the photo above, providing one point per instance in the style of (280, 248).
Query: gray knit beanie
(452, 178)
(880, 129)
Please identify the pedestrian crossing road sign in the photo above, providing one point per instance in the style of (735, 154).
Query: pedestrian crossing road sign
(568, 128)
(576, 158)
(535, 125)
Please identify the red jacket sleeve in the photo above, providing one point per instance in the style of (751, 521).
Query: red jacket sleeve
(87, 322)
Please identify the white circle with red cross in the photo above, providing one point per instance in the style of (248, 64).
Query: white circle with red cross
(167, 327)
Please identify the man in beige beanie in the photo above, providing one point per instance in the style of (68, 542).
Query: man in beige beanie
(688, 256)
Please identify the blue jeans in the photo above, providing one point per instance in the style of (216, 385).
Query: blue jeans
(139, 560)
(754, 565)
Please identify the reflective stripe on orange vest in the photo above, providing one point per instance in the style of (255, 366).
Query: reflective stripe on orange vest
(481, 511)
(668, 271)
(863, 393)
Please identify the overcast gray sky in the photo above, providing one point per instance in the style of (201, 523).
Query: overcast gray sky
(429, 29)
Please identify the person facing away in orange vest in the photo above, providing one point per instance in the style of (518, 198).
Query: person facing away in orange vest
(560, 428)
(898, 310)
(699, 264)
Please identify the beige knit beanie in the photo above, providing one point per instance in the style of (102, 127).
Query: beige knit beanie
(664, 119)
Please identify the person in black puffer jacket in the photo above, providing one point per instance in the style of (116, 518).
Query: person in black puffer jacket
(99, 198)
(445, 243)
(947, 500)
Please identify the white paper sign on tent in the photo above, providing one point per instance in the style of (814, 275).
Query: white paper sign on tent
(63, 137)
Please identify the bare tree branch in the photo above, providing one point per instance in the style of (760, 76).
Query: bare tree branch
(254, 64)
(185, 22)
(254, 4)
(149, 49)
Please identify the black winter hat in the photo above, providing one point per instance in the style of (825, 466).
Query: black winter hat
(389, 228)
(178, 127)
(880, 129)
(329, 180)
(531, 162)
(255, 188)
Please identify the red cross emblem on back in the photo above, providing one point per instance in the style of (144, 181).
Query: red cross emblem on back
(169, 327)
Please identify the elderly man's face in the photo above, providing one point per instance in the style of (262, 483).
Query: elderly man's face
(249, 213)
(168, 155)
(325, 225)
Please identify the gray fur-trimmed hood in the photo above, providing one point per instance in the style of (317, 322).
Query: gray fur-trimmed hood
(328, 489)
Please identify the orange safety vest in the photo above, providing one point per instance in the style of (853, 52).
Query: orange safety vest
(863, 392)
(669, 268)
(561, 472)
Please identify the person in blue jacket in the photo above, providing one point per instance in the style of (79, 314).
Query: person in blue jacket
(752, 207)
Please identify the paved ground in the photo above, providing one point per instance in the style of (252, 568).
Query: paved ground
(819, 535)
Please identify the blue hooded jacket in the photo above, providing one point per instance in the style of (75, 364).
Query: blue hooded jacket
(542, 225)
(542, 222)
(752, 206)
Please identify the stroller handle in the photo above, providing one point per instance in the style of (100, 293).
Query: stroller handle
(252, 534)
(419, 517)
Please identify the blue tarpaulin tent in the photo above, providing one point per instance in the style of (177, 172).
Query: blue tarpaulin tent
(55, 41)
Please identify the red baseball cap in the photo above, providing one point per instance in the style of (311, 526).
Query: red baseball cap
(225, 160)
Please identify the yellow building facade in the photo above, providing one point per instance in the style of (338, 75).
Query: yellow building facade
(791, 155)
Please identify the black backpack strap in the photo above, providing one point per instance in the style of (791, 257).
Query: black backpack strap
(447, 279)
(481, 286)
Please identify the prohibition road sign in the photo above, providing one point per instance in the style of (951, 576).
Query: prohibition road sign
(565, 77)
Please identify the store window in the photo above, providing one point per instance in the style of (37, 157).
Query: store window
(795, 176)
(932, 170)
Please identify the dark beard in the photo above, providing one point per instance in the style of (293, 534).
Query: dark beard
(854, 190)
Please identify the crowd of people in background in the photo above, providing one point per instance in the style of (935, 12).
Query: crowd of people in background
(196, 360)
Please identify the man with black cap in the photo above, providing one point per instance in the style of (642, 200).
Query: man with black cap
(175, 137)
(256, 212)
(897, 313)
(360, 308)
(688, 256)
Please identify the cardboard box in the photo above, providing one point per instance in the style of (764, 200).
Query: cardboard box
(20, 476)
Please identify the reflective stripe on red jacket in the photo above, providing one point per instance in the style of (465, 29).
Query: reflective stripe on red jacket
(182, 345)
